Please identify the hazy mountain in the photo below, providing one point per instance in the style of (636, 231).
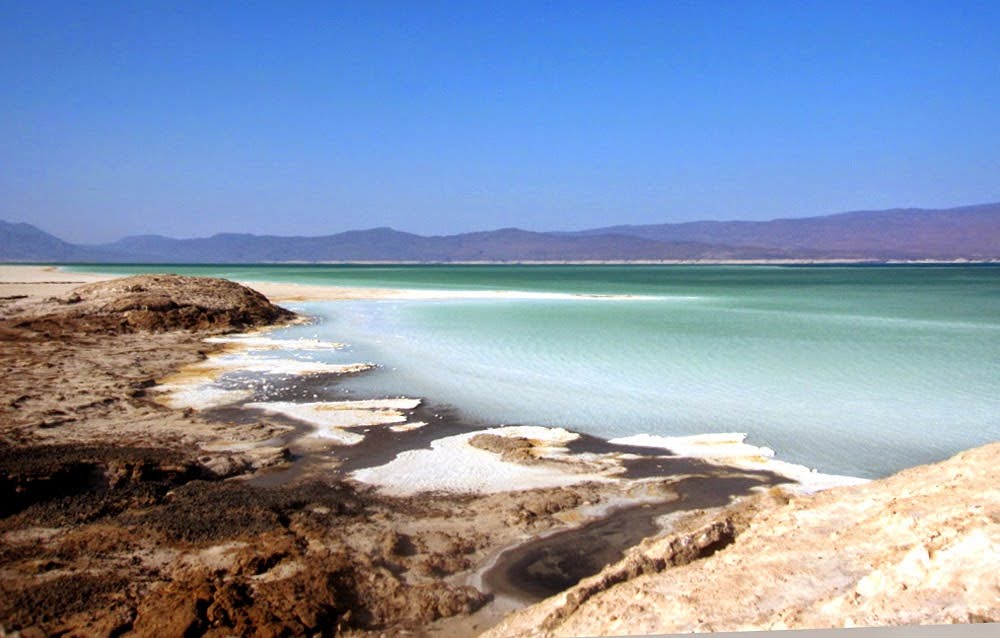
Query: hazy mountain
(971, 232)
(24, 242)
(386, 244)
(359, 245)
(910, 233)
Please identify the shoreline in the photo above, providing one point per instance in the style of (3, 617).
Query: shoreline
(595, 533)
(435, 541)
(727, 449)
(709, 445)
(490, 553)
(596, 539)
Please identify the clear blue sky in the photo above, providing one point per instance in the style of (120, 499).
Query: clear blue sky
(187, 119)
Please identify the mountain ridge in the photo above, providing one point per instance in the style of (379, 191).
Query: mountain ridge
(899, 234)
(965, 231)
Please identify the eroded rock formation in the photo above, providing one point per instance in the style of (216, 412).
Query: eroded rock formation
(920, 547)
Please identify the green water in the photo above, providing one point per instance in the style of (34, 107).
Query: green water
(853, 370)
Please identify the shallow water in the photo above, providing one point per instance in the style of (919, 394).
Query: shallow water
(850, 370)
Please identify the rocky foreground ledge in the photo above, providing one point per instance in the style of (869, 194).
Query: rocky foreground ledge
(919, 547)
(155, 303)
(120, 516)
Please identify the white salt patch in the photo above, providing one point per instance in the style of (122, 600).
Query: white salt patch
(202, 393)
(332, 417)
(401, 403)
(200, 396)
(452, 465)
(339, 436)
(406, 427)
(258, 342)
(247, 363)
(729, 448)
(809, 480)
(602, 509)
(721, 445)
(341, 414)
(535, 433)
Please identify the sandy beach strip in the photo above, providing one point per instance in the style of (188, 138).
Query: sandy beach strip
(34, 282)
(30, 281)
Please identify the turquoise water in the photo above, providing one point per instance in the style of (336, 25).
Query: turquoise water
(850, 370)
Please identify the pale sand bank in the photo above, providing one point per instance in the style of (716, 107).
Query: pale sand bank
(35, 282)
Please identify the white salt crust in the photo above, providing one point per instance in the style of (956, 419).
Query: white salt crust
(249, 363)
(729, 449)
(200, 396)
(453, 465)
(257, 342)
(332, 419)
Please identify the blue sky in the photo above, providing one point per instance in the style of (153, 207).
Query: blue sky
(187, 119)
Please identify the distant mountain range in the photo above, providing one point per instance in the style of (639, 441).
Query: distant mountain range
(969, 232)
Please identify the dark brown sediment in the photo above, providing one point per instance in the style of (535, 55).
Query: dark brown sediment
(546, 566)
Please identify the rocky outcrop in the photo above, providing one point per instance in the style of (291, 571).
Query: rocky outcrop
(157, 303)
(920, 547)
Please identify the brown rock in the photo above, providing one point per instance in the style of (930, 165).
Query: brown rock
(158, 303)
(396, 544)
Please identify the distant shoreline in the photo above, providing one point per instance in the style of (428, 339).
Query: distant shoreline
(46, 279)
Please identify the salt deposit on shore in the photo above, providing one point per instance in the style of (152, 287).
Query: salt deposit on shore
(919, 547)
(261, 342)
(276, 366)
(333, 418)
(453, 465)
(200, 396)
(730, 449)
(197, 386)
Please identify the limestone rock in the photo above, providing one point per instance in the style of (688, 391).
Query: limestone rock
(920, 547)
